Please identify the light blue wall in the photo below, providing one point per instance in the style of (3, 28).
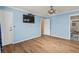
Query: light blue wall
(60, 25)
(25, 30)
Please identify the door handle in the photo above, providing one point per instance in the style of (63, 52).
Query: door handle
(10, 29)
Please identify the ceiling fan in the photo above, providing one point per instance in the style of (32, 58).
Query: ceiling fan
(51, 10)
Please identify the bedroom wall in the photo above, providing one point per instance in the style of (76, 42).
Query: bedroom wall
(60, 25)
(23, 31)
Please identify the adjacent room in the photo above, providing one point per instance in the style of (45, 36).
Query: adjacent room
(39, 29)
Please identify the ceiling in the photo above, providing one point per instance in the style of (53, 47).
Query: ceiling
(43, 10)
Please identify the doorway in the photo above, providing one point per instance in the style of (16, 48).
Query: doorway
(45, 27)
(74, 27)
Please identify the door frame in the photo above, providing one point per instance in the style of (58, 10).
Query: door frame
(70, 24)
(42, 27)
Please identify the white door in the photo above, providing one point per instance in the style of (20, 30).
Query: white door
(8, 24)
(47, 26)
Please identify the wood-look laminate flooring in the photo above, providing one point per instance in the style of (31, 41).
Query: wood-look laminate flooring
(45, 44)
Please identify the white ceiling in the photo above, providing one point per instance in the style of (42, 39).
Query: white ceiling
(43, 10)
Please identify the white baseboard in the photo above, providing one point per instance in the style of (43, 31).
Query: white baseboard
(3, 44)
(60, 37)
(26, 39)
(37, 37)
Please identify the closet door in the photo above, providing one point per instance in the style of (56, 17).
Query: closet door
(9, 29)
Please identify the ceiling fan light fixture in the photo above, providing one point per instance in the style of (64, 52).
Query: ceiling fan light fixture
(51, 10)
